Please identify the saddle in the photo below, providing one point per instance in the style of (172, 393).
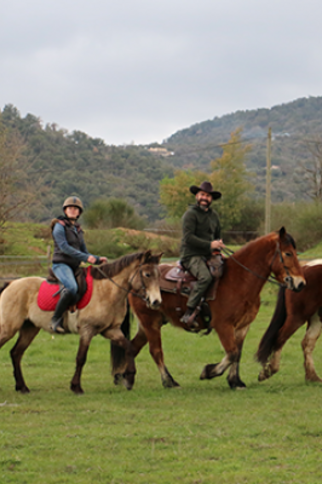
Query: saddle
(180, 281)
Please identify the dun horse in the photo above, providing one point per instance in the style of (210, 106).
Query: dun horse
(234, 308)
(19, 311)
(291, 312)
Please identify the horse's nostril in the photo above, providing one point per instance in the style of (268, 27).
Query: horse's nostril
(300, 287)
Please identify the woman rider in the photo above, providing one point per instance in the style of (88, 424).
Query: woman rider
(69, 251)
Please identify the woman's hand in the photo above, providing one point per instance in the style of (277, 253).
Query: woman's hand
(91, 259)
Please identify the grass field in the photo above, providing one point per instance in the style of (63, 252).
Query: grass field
(200, 433)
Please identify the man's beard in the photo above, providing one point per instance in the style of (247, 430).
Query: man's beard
(204, 207)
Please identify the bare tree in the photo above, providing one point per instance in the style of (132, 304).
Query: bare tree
(309, 174)
(14, 191)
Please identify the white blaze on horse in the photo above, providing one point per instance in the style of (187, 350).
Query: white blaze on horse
(136, 274)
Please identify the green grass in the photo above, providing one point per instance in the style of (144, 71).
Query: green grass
(201, 433)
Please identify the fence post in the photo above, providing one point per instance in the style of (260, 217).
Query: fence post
(48, 256)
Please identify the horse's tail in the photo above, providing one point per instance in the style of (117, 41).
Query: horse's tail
(268, 341)
(118, 353)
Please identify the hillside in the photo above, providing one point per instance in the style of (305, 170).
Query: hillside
(294, 125)
(59, 163)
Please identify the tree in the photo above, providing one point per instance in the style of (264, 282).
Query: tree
(174, 192)
(15, 193)
(228, 175)
(311, 171)
(111, 213)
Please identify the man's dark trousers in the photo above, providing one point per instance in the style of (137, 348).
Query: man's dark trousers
(198, 268)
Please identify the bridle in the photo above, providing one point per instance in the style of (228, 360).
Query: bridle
(270, 278)
(129, 291)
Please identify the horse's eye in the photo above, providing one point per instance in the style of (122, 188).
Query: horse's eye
(288, 254)
(147, 274)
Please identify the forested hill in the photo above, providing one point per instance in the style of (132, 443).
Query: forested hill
(59, 163)
(296, 127)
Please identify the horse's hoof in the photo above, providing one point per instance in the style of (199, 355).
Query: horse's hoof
(207, 373)
(128, 385)
(118, 379)
(170, 384)
(23, 390)
(77, 389)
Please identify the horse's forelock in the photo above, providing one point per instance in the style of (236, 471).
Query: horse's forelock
(289, 240)
(111, 269)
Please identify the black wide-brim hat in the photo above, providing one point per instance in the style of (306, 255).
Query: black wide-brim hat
(205, 187)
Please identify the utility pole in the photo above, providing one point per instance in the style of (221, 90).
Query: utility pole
(268, 183)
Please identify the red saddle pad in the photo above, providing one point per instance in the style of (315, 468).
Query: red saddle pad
(46, 296)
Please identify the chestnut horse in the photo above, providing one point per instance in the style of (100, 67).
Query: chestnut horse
(291, 312)
(234, 308)
(137, 274)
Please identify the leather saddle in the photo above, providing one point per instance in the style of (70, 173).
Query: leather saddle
(178, 280)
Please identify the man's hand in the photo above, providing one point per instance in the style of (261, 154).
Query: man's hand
(217, 245)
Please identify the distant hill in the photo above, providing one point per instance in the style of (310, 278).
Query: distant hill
(293, 124)
(66, 163)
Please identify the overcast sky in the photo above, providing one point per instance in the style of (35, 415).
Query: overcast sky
(140, 70)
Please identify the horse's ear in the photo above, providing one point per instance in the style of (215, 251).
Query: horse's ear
(282, 232)
(158, 256)
(147, 255)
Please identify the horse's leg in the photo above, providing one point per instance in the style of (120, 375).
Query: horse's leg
(26, 335)
(118, 338)
(152, 329)
(308, 344)
(84, 342)
(227, 337)
(233, 376)
(292, 324)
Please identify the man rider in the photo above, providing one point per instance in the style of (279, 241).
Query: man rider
(200, 238)
(69, 251)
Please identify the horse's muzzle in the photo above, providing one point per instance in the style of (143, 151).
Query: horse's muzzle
(295, 284)
(154, 304)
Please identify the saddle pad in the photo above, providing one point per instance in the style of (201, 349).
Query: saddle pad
(47, 301)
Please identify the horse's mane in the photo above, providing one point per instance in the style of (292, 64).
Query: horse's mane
(287, 238)
(111, 269)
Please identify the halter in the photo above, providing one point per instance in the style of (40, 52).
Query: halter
(270, 278)
(128, 291)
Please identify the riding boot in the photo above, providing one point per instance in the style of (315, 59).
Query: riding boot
(187, 315)
(65, 300)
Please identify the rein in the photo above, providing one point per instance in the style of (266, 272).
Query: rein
(128, 291)
(270, 278)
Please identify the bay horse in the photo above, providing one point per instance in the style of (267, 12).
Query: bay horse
(234, 308)
(291, 312)
(136, 274)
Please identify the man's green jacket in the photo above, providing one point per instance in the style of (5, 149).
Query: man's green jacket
(199, 229)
